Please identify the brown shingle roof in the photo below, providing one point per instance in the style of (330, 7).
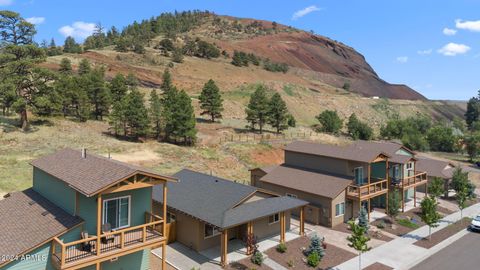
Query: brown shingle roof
(390, 148)
(91, 174)
(318, 183)
(352, 151)
(28, 220)
(435, 167)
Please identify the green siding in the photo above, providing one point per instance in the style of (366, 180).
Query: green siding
(403, 152)
(139, 260)
(378, 170)
(40, 258)
(54, 190)
(141, 201)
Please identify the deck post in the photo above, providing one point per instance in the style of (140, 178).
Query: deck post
(368, 169)
(302, 220)
(386, 201)
(249, 234)
(414, 196)
(97, 266)
(403, 199)
(164, 227)
(369, 208)
(99, 223)
(224, 247)
(282, 227)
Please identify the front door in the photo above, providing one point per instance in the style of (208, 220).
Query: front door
(116, 212)
(359, 175)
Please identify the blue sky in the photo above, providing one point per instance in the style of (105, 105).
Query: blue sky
(432, 46)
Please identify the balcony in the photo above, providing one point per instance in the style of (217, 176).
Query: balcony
(366, 191)
(419, 178)
(84, 252)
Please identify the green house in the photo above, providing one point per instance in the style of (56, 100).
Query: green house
(83, 212)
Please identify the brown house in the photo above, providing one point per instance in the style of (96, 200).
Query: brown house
(208, 211)
(338, 180)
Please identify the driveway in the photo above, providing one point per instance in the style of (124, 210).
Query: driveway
(460, 255)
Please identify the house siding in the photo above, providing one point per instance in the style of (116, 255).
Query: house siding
(139, 260)
(40, 258)
(141, 201)
(55, 190)
(313, 162)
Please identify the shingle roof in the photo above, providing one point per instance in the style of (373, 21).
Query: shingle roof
(88, 175)
(212, 199)
(390, 148)
(435, 167)
(28, 220)
(319, 183)
(352, 151)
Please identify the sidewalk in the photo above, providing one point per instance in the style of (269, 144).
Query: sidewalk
(401, 254)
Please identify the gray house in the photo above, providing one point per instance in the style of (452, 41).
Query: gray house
(205, 211)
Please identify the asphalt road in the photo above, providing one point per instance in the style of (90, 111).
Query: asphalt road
(463, 254)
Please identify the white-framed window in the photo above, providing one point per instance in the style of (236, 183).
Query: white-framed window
(340, 209)
(291, 195)
(117, 212)
(358, 172)
(274, 218)
(410, 168)
(210, 231)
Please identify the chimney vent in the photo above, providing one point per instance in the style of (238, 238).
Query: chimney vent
(84, 153)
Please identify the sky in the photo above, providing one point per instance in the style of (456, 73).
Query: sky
(430, 45)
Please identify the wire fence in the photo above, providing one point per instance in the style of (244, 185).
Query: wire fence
(268, 137)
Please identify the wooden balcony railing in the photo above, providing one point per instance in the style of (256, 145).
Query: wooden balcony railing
(418, 178)
(65, 255)
(368, 190)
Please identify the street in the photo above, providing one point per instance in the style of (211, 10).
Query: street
(463, 254)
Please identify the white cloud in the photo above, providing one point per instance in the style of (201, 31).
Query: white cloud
(468, 25)
(300, 13)
(402, 59)
(452, 49)
(449, 32)
(6, 2)
(35, 20)
(77, 29)
(425, 52)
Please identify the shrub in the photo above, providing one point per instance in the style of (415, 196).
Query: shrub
(381, 225)
(408, 223)
(282, 248)
(316, 246)
(275, 67)
(330, 121)
(313, 259)
(363, 219)
(257, 258)
(358, 129)
(290, 263)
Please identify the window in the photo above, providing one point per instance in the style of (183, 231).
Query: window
(396, 172)
(116, 212)
(340, 209)
(410, 169)
(291, 195)
(171, 217)
(210, 231)
(358, 175)
(273, 218)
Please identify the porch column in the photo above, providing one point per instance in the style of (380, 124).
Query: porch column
(249, 234)
(403, 199)
(99, 223)
(386, 201)
(282, 227)
(97, 266)
(414, 196)
(224, 247)
(369, 208)
(302, 220)
(164, 227)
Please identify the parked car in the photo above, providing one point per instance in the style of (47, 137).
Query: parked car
(475, 225)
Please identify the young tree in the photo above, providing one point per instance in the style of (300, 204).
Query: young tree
(65, 66)
(464, 189)
(211, 100)
(166, 85)
(257, 108)
(393, 208)
(436, 187)
(156, 113)
(316, 246)
(472, 145)
(358, 240)
(429, 214)
(330, 121)
(363, 219)
(278, 115)
(181, 120)
(84, 67)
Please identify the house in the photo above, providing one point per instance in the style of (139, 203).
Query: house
(337, 180)
(437, 168)
(83, 212)
(209, 211)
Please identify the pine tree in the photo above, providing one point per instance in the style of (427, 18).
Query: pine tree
(316, 246)
(118, 88)
(257, 108)
(473, 111)
(99, 93)
(166, 82)
(71, 46)
(136, 114)
(156, 113)
(363, 218)
(65, 66)
(211, 100)
(84, 67)
(182, 120)
(117, 118)
(278, 116)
